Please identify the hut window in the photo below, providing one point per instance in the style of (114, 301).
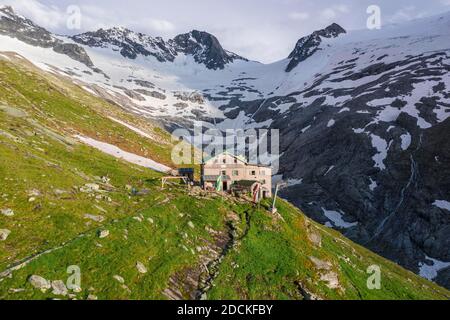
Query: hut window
(253, 173)
(235, 173)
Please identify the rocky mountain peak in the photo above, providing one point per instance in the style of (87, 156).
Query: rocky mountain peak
(23, 29)
(6, 9)
(308, 45)
(332, 31)
(205, 48)
(128, 42)
(10, 22)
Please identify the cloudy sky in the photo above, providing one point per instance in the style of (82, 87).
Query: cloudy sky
(263, 30)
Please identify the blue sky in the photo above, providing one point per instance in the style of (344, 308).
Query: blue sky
(263, 30)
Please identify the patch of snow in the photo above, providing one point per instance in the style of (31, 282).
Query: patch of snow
(336, 101)
(331, 123)
(344, 110)
(381, 102)
(294, 182)
(305, 129)
(243, 121)
(382, 147)
(281, 108)
(138, 131)
(431, 271)
(358, 130)
(90, 90)
(329, 169)
(406, 141)
(336, 218)
(373, 185)
(121, 154)
(443, 204)
(388, 114)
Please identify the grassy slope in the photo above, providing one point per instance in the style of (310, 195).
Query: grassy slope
(169, 231)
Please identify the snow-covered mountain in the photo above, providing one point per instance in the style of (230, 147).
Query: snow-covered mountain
(363, 115)
(308, 45)
(202, 46)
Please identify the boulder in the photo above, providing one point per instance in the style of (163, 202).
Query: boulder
(59, 288)
(7, 212)
(94, 217)
(39, 283)
(119, 279)
(140, 267)
(103, 234)
(4, 233)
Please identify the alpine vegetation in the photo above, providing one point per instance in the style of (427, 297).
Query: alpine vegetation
(137, 167)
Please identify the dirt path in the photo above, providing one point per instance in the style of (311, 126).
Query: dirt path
(214, 266)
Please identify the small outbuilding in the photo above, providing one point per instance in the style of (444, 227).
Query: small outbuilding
(186, 172)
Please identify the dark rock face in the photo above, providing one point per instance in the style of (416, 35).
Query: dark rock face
(73, 51)
(130, 44)
(25, 30)
(205, 48)
(328, 139)
(308, 45)
(153, 94)
(444, 278)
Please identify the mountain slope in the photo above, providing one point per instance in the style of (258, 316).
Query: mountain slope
(362, 136)
(308, 45)
(71, 205)
(130, 44)
(202, 46)
(361, 116)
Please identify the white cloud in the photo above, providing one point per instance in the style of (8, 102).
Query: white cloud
(266, 43)
(406, 14)
(158, 25)
(92, 18)
(333, 12)
(299, 16)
